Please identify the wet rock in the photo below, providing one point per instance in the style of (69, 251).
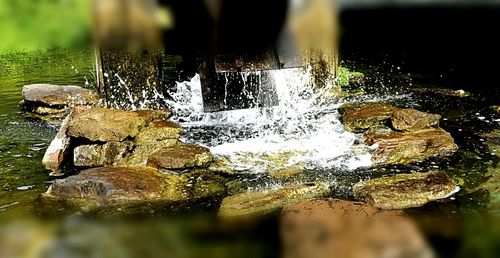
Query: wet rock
(181, 156)
(413, 120)
(358, 117)
(100, 124)
(337, 228)
(109, 186)
(495, 108)
(158, 131)
(257, 204)
(129, 186)
(402, 148)
(141, 153)
(96, 155)
(55, 95)
(405, 190)
(442, 91)
(492, 185)
(55, 154)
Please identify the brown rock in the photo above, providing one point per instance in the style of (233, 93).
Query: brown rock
(337, 228)
(141, 153)
(158, 131)
(358, 117)
(109, 186)
(100, 124)
(403, 148)
(55, 153)
(257, 204)
(54, 95)
(413, 120)
(405, 190)
(181, 156)
(103, 187)
(97, 155)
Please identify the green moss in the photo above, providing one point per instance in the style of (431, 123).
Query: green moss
(348, 79)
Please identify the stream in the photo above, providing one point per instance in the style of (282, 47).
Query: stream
(304, 129)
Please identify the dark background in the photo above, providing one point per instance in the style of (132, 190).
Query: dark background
(457, 43)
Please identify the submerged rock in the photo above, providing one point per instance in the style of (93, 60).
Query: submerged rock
(442, 91)
(402, 148)
(337, 228)
(101, 124)
(358, 117)
(129, 186)
(492, 185)
(55, 95)
(181, 156)
(256, 204)
(413, 120)
(405, 190)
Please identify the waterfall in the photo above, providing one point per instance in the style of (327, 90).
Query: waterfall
(303, 129)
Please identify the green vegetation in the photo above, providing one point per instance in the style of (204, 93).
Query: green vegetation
(27, 25)
(347, 78)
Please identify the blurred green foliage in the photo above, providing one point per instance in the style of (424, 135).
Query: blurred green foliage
(44, 24)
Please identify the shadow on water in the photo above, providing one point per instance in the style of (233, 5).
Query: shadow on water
(457, 227)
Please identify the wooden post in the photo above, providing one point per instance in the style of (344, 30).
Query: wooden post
(128, 54)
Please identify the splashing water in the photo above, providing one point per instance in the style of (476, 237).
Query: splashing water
(303, 130)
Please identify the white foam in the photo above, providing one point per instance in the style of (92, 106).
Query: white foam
(304, 125)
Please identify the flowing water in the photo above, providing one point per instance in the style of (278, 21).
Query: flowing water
(303, 130)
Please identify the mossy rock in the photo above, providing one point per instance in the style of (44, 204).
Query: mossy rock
(405, 190)
(257, 204)
(358, 117)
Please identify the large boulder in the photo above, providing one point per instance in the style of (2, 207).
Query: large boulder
(257, 204)
(55, 95)
(405, 190)
(337, 228)
(181, 156)
(413, 120)
(358, 117)
(102, 125)
(392, 147)
(129, 186)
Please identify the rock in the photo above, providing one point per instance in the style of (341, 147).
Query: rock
(55, 153)
(100, 124)
(444, 92)
(97, 155)
(405, 190)
(257, 204)
(54, 95)
(403, 148)
(492, 184)
(130, 186)
(141, 153)
(181, 156)
(358, 117)
(158, 131)
(337, 228)
(109, 186)
(413, 120)
(495, 108)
